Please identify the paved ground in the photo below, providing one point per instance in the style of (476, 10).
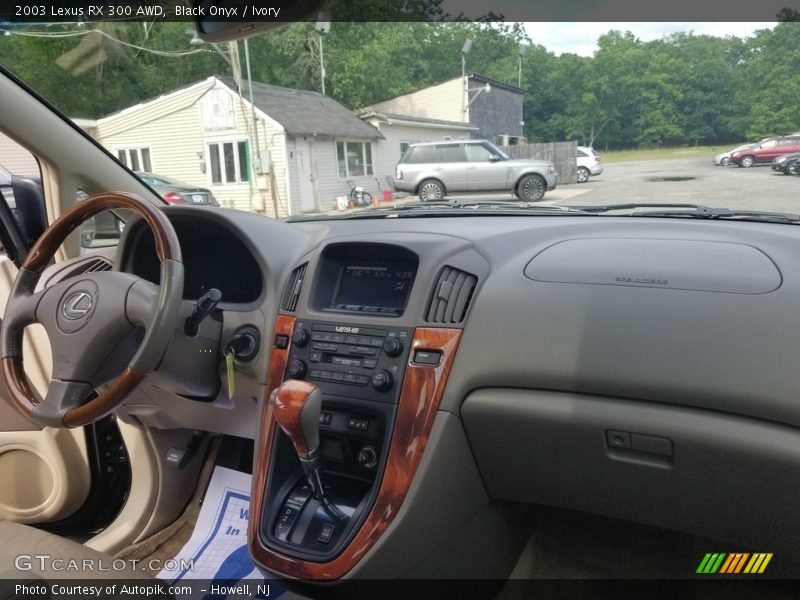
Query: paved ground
(701, 182)
(756, 188)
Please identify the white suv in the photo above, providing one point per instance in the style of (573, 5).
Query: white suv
(589, 163)
(436, 169)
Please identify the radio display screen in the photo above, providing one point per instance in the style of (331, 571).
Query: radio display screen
(366, 286)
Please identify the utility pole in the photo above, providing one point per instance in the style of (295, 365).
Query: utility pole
(322, 28)
(465, 84)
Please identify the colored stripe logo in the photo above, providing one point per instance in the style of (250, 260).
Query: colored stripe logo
(734, 563)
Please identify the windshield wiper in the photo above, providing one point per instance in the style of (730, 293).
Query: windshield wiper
(697, 211)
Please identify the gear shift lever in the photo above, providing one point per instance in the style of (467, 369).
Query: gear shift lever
(297, 409)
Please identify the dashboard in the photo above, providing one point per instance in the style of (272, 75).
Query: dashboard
(626, 365)
(215, 258)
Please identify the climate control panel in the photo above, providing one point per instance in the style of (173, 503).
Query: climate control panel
(348, 360)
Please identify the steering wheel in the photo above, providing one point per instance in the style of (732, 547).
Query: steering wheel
(86, 317)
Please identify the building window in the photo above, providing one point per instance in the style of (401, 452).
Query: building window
(354, 159)
(403, 147)
(228, 162)
(136, 159)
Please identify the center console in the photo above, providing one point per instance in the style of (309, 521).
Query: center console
(325, 491)
(359, 371)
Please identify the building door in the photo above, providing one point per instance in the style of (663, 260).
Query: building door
(305, 175)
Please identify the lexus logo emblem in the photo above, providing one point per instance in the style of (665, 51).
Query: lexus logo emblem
(77, 305)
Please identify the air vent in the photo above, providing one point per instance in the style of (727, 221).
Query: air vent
(291, 293)
(97, 264)
(451, 296)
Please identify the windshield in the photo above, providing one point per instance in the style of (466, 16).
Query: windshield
(323, 121)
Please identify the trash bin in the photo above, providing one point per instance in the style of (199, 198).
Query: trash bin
(387, 195)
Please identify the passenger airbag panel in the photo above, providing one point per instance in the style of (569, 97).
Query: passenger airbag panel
(665, 264)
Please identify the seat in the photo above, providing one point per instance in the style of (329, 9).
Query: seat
(30, 553)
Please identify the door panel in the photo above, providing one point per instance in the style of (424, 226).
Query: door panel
(451, 167)
(44, 473)
(484, 174)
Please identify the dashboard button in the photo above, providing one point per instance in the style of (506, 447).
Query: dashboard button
(297, 369)
(427, 357)
(381, 380)
(300, 337)
(325, 347)
(363, 350)
(326, 533)
(370, 363)
(393, 346)
(281, 341)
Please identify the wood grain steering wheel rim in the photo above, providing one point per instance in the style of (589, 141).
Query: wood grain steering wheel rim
(70, 411)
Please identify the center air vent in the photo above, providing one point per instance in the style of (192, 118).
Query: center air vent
(451, 296)
(291, 293)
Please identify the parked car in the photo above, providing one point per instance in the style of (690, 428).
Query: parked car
(724, 158)
(433, 170)
(788, 164)
(589, 164)
(766, 151)
(177, 192)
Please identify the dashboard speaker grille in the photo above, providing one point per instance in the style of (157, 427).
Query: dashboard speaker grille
(291, 293)
(451, 296)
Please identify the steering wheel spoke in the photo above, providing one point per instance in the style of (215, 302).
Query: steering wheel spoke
(62, 397)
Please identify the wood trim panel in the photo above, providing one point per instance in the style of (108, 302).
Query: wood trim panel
(288, 410)
(106, 402)
(419, 400)
(278, 358)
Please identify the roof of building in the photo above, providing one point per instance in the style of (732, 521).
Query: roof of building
(389, 117)
(494, 83)
(305, 113)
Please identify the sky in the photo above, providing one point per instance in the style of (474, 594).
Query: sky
(581, 38)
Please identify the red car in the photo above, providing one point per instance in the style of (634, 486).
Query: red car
(765, 151)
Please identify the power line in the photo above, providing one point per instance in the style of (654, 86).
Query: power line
(65, 34)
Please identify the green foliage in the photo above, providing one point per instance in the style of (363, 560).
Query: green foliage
(683, 89)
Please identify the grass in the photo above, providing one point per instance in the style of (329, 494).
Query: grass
(663, 153)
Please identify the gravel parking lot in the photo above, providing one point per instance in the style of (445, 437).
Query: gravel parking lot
(695, 181)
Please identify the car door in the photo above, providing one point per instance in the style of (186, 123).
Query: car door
(768, 150)
(44, 473)
(486, 170)
(451, 167)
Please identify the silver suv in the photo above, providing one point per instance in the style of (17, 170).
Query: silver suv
(435, 169)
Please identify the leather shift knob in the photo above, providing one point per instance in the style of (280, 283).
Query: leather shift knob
(297, 408)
